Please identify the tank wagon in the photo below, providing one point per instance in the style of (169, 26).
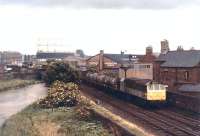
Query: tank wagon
(144, 89)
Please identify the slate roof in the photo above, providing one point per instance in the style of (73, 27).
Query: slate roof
(53, 55)
(184, 59)
(122, 58)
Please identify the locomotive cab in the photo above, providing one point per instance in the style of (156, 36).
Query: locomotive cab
(146, 89)
(156, 92)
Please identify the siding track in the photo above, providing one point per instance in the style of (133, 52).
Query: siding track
(159, 121)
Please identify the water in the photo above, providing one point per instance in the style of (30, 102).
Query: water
(13, 101)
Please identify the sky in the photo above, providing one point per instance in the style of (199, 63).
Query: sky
(93, 25)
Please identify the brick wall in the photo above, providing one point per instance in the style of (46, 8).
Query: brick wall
(174, 77)
(140, 70)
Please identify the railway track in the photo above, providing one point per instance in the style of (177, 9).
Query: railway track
(163, 121)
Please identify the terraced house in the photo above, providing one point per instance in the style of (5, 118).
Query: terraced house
(178, 68)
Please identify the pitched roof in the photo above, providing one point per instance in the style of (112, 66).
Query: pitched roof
(189, 58)
(122, 58)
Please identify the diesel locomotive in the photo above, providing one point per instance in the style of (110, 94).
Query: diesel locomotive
(144, 89)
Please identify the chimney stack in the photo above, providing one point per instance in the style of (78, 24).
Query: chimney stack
(101, 61)
(122, 52)
(164, 46)
(149, 50)
(180, 48)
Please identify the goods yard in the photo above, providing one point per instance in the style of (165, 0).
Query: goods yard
(161, 121)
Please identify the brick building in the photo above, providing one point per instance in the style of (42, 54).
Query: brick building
(177, 68)
(138, 70)
(143, 69)
(104, 62)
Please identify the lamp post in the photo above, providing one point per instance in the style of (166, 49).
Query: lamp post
(125, 68)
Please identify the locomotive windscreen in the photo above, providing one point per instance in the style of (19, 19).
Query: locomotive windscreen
(139, 84)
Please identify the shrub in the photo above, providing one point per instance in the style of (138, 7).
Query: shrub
(61, 94)
(60, 71)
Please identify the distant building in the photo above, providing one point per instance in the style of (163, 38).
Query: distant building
(176, 68)
(43, 56)
(77, 62)
(164, 46)
(103, 61)
(28, 58)
(12, 58)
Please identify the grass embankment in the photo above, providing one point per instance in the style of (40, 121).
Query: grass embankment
(15, 83)
(37, 121)
(63, 112)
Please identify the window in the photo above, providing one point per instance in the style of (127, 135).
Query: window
(186, 75)
(148, 66)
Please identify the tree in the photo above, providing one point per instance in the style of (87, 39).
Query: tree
(60, 71)
(80, 53)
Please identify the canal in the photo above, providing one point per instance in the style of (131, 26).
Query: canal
(12, 101)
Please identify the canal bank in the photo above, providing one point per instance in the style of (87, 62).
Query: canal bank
(13, 101)
(11, 84)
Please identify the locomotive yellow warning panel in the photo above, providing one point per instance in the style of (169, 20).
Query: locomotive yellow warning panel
(156, 95)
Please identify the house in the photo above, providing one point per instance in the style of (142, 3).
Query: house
(177, 68)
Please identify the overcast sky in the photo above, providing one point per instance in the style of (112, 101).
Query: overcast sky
(92, 25)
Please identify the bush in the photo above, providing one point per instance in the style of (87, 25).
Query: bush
(60, 71)
(61, 94)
